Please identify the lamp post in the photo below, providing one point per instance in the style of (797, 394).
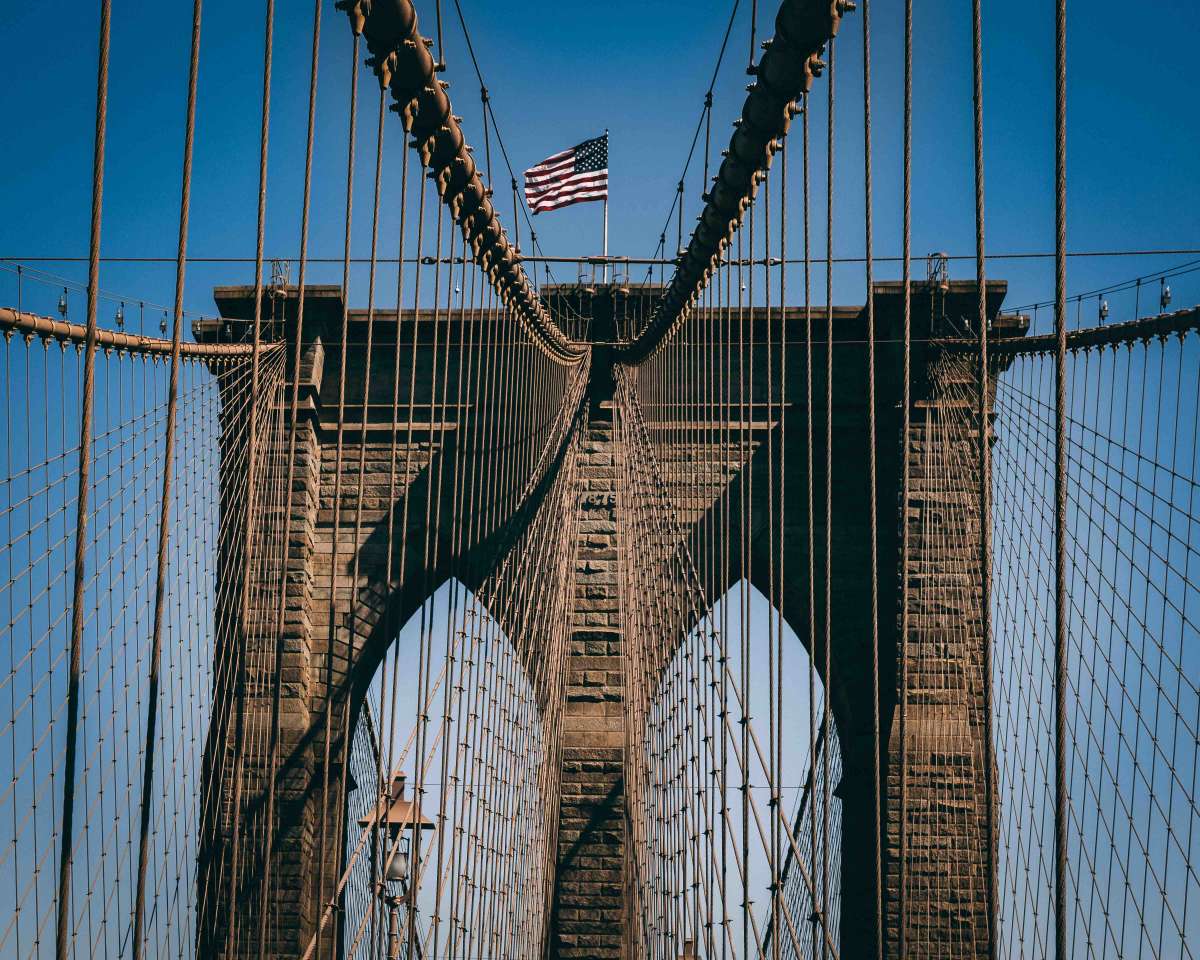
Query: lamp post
(397, 871)
(398, 817)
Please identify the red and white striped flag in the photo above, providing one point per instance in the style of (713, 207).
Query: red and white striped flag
(572, 176)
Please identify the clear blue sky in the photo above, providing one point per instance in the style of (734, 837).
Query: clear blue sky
(560, 72)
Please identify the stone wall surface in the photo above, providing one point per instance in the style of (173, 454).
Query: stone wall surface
(941, 764)
(589, 916)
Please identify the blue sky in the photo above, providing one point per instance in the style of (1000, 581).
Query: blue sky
(558, 73)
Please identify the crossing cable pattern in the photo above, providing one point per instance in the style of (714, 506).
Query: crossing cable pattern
(1131, 680)
(42, 371)
(1131, 687)
(805, 818)
(440, 505)
(950, 682)
(705, 387)
(694, 812)
(233, 428)
(700, 444)
(402, 63)
(785, 72)
(480, 749)
(308, 580)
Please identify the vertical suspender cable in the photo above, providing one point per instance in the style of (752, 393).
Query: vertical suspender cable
(906, 429)
(66, 836)
(872, 485)
(440, 66)
(428, 608)
(708, 102)
(335, 538)
(362, 437)
(443, 416)
(251, 465)
(985, 490)
(783, 404)
(743, 603)
(393, 457)
(826, 718)
(726, 407)
(293, 424)
(164, 523)
(1060, 482)
(750, 67)
(772, 637)
(516, 218)
(811, 519)
(679, 221)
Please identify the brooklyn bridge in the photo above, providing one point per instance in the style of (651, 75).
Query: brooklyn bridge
(453, 598)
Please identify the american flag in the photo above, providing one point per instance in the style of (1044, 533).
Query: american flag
(571, 176)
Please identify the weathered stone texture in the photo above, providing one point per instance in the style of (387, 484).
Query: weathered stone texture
(941, 763)
(937, 673)
(589, 919)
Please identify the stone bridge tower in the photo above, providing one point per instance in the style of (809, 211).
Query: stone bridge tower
(941, 662)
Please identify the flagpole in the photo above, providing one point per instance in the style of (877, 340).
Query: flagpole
(604, 250)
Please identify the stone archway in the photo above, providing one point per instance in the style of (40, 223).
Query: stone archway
(333, 639)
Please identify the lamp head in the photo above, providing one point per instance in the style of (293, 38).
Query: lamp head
(397, 867)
